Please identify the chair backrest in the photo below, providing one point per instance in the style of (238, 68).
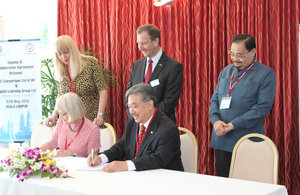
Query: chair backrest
(189, 150)
(40, 134)
(255, 161)
(108, 137)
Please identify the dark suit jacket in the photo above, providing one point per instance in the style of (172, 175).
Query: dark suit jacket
(169, 74)
(159, 149)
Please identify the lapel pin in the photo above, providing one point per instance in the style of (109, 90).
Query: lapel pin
(151, 132)
(159, 64)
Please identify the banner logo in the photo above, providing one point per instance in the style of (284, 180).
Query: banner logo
(29, 47)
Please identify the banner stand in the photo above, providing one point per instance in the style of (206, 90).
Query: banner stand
(20, 91)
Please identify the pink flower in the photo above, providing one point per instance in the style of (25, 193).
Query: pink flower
(31, 160)
(54, 171)
(32, 153)
(29, 171)
(21, 176)
(64, 174)
(44, 168)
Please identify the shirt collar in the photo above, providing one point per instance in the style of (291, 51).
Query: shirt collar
(242, 70)
(155, 59)
(146, 124)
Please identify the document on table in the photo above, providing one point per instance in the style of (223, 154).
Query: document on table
(88, 168)
(78, 163)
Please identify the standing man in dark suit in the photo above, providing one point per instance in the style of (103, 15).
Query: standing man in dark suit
(151, 139)
(164, 74)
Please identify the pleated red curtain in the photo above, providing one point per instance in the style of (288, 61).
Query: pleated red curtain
(198, 33)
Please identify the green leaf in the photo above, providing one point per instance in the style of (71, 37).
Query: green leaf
(49, 85)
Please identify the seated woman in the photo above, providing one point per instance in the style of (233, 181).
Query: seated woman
(74, 135)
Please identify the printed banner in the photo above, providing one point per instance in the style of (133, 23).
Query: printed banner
(20, 89)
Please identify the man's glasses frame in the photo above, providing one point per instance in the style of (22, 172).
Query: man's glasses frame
(237, 55)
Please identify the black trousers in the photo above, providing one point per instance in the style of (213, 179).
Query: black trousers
(223, 160)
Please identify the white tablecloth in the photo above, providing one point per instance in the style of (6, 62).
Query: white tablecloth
(154, 182)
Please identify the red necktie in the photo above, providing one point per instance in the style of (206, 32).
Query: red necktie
(141, 135)
(149, 71)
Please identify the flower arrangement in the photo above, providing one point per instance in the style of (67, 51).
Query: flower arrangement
(25, 162)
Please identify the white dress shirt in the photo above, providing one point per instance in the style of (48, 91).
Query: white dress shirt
(155, 60)
(130, 164)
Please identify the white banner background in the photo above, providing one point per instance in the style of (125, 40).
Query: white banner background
(20, 89)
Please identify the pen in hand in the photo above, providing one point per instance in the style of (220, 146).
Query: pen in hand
(92, 155)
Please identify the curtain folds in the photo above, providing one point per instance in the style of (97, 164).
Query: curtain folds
(198, 33)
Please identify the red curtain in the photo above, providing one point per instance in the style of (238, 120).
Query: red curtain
(198, 33)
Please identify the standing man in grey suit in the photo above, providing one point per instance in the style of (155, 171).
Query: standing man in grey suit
(164, 74)
(151, 139)
(243, 98)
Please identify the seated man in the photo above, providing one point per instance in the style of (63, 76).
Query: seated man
(151, 139)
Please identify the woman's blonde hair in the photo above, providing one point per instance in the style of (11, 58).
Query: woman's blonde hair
(66, 43)
(71, 104)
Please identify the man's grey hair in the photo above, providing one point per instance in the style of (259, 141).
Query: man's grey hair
(145, 90)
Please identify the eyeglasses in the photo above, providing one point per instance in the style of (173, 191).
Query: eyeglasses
(142, 43)
(62, 114)
(237, 55)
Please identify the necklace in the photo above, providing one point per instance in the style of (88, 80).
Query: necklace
(75, 130)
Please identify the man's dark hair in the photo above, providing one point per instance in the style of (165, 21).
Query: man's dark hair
(249, 41)
(152, 31)
(145, 90)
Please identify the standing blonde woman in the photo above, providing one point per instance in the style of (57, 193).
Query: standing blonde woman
(82, 75)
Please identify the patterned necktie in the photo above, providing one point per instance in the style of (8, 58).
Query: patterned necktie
(141, 135)
(149, 71)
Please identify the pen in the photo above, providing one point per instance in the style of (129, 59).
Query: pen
(92, 154)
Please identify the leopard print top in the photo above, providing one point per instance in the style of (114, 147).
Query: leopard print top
(88, 85)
